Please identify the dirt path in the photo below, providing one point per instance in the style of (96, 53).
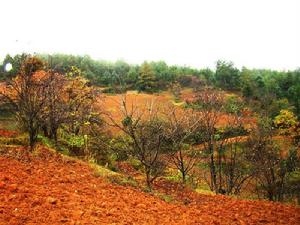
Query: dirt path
(49, 189)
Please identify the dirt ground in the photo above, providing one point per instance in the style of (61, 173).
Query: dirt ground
(112, 105)
(47, 188)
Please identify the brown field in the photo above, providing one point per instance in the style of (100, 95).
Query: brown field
(112, 105)
(47, 188)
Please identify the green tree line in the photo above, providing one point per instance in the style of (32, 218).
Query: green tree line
(281, 88)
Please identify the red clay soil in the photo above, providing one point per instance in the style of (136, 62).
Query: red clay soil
(7, 133)
(46, 188)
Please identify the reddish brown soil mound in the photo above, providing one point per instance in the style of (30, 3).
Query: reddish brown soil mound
(7, 133)
(49, 189)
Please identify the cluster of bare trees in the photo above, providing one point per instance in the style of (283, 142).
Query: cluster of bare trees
(45, 101)
(183, 138)
(153, 132)
(157, 135)
(222, 144)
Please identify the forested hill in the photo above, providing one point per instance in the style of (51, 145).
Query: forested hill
(273, 89)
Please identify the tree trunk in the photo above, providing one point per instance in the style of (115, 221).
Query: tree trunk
(213, 176)
(182, 169)
(45, 131)
(53, 134)
(32, 139)
(148, 178)
(220, 170)
(183, 177)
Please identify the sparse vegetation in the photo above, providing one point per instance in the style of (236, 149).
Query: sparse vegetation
(56, 106)
(211, 143)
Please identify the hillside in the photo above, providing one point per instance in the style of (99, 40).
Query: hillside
(47, 188)
(141, 163)
(113, 104)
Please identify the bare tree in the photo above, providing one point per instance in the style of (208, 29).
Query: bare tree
(56, 112)
(233, 169)
(26, 94)
(180, 128)
(271, 169)
(210, 104)
(222, 143)
(144, 136)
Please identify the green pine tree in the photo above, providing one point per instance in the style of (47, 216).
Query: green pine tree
(147, 80)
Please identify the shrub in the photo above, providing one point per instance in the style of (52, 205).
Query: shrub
(20, 140)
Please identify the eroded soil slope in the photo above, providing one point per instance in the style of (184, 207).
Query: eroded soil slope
(47, 188)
